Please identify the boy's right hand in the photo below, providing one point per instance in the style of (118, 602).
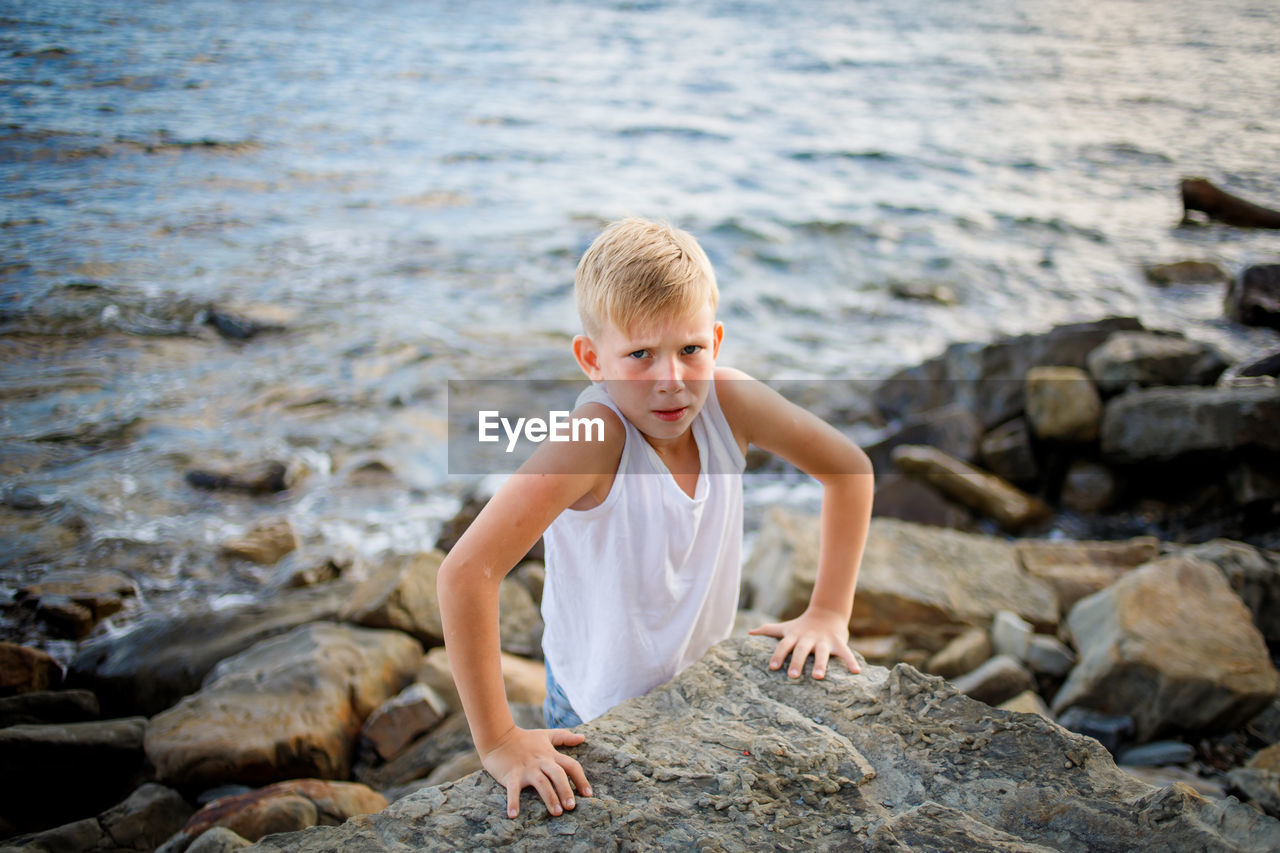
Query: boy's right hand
(525, 757)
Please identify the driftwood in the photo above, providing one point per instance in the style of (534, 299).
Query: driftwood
(1199, 194)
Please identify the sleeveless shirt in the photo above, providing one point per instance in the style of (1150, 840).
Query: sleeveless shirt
(641, 585)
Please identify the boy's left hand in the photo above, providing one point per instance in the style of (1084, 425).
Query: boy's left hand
(820, 633)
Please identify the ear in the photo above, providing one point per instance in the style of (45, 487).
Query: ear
(719, 334)
(584, 350)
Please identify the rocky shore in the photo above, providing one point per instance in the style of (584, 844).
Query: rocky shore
(1072, 581)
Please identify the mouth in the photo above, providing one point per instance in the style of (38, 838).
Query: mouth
(670, 414)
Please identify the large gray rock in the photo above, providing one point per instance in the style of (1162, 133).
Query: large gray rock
(952, 429)
(733, 756)
(1254, 575)
(1146, 359)
(141, 822)
(987, 379)
(289, 707)
(1160, 424)
(1171, 645)
(163, 657)
(916, 581)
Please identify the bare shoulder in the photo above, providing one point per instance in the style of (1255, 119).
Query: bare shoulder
(739, 395)
(596, 438)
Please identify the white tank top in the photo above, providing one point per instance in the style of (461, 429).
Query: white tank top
(641, 585)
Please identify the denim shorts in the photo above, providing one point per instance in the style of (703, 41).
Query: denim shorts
(556, 710)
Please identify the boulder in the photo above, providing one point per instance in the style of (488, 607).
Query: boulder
(1062, 404)
(401, 594)
(1253, 297)
(283, 807)
(51, 706)
(1110, 730)
(217, 840)
(409, 714)
(264, 544)
(1171, 645)
(524, 679)
(1145, 359)
(1077, 569)
(290, 706)
(1088, 487)
(965, 653)
(1007, 452)
(952, 429)
(972, 487)
(1027, 702)
(996, 680)
(730, 755)
(142, 822)
(163, 657)
(1161, 424)
(987, 379)
(1185, 272)
(1253, 574)
(907, 499)
(920, 582)
(27, 670)
(519, 620)
(62, 598)
(54, 773)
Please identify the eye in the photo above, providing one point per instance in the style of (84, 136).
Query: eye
(691, 349)
(640, 353)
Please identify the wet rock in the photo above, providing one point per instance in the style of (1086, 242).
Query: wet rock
(1145, 359)
(1062, 404)
(996, 680)
(142, 822)
(952, 429)
(283, 807)
(58, 772)
(1011, 634)
(64, 618)
(299, 570)
(1253, 574)
(53, 706)
(1110, 730)
(1077, 569)
(916, 581)
(1048, 655)
(218, 840)
(1253, 297)
(401, 595)
(442, 744)
(734, 755)
(1006, 451)
(964, 653)
(1157, 753)
(161, 658)
(103, 593)
(257, 478)
(27, 670)
(1172, 646)
(237, 325)
(264, 544)
(1186, 272)
(1027, 702)
(1161, 424)
(290, 706)
(411, 713)
(1088, 487)
(987, 379)
(907, 499)
(972, 487)
(524, 680)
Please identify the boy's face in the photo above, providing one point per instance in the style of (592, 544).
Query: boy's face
(658, 376)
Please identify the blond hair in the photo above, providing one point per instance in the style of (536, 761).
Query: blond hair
(639, 272)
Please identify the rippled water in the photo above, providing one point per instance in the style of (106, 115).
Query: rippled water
(408, 186)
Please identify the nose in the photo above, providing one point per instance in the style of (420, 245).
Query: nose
(670, 374)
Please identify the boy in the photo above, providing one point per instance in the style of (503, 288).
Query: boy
(643, 528)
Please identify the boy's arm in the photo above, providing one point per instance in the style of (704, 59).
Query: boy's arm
(556, 476)
(767, 419)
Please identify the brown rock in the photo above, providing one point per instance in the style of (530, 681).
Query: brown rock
(1186, 272)
(525, 680)
(880, 650)
(1088, 487)
(1267, 758)
(1172, 646)
(1077, 569)
(1062, 404)
(286, 806)
(1006, 451)
(401, 595)
(984, 493)
(289, 706)
(995, 681)
(1027, 702)
(101, 592)
(413, 712)
(964, 653)
(27, 670)
(265, 544)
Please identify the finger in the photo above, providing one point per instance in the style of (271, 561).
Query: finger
(564, 737)
(576, 773)
(773, 629)
(546, 790)
(850, 659)
(798, 656)
(780, 652)
(513, 799)
(821, 654)
(560, 781)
